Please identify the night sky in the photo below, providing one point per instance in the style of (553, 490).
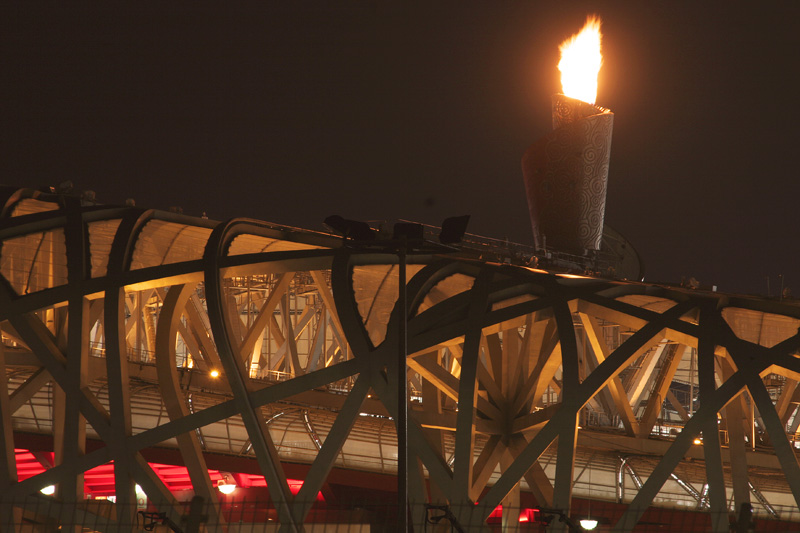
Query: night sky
(293, 111)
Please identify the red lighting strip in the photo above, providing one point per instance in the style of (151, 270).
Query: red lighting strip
(525, 515)
(99, 481)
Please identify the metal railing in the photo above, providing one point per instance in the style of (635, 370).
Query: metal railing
(46, 514)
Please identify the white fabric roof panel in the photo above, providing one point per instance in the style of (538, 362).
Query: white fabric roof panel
(35, 261)
(651, 303)
(376, 291)
(446, 288)
(766, 329)
(163, 243)
(30, 206)
(252, 244)
(101, 237)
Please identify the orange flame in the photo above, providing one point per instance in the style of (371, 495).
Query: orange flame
(581, 61)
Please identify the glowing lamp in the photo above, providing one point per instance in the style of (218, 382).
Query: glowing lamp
(214, 373)
(226, 488)
(225, 485)
(588, 524)
(48, 490)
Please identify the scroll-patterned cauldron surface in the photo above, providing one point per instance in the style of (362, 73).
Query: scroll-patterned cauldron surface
(566, 176)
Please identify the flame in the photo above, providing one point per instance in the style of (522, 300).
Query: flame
(581, 61)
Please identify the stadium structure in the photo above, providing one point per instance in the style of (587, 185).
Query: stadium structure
(153, 362)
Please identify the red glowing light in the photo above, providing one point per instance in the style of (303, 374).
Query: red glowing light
(525, 515)
(99, 481)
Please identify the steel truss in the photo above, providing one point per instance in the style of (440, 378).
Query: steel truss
(113, 318)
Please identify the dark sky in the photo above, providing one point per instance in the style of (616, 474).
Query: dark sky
(377, 110)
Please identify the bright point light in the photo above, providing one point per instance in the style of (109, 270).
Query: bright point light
(698, 441)
(588, 524)
(581, 61)
(227, 488)
(214, 373)
(48, 490)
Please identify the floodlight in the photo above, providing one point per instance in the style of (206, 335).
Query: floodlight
(350, 229)
(409, 230)
(48, 490)
(453, 229)
(588, 524)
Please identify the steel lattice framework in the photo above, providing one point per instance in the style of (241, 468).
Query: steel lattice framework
(519, 379)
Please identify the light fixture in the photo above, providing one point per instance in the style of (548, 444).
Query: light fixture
(453, 229)
(408, 230)
(48, 490)
(214, 373)
(225, 486)
(698, 441)
(407, 238)
(588, 524)
(350, 229)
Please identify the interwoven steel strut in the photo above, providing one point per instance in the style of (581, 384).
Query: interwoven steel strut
(113, 319)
